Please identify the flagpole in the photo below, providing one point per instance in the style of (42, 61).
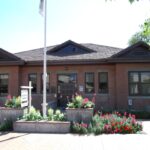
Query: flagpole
(44, 60)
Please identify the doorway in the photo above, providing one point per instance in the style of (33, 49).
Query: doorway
(67, 86)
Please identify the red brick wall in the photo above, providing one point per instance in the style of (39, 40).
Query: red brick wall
(102, 100)
(117, 98)
(139, 103)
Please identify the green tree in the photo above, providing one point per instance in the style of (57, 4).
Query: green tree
(143, 34)
(131, 1)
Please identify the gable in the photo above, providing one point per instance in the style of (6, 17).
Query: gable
(7, 58)
(136, 51)
(69, 48)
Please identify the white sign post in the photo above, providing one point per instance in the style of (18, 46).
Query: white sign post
(26, 96)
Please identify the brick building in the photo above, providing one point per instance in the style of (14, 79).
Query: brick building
(119, 77)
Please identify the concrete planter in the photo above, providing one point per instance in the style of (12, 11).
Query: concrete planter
(11, 114)
(79, 115)
(41, 126)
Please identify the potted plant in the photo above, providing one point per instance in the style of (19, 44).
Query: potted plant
(33, 122)
(80, 109)
(12, 109)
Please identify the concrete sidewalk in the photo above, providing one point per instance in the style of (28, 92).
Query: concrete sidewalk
(24, 141)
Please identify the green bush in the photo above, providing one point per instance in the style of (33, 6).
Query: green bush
(80, 128)
(33, 115)
(6, 126)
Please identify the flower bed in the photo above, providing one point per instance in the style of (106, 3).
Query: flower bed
(41, 126)
(12, 110)
(110, 124)
(34, 122)
(80, 109)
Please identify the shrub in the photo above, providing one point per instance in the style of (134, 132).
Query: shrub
(110, 123)
(13, 102)
(33, 115)
(6, 126)
(80, 128)
(55, 116)
(79, 102)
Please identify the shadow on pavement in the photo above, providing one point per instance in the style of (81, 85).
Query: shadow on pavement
(11, 138)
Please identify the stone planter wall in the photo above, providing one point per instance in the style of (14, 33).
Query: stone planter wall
(11, 114)
(41, 126)
(79, 115)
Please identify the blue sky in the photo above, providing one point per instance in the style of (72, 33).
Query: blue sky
(83, 21)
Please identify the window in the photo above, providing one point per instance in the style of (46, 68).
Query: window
(103, 82)
(47, 83)
(139, 83)
(4, 84)
(89, 82)
(33, 79)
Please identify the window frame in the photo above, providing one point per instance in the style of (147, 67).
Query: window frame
(99, 91)
(139, 83)
(36, 81)
(85, 89)
(3, 94)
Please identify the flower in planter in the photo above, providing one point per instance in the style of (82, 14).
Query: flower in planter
(33, 115)
(79, 102)
(55, 116)
(13, 102)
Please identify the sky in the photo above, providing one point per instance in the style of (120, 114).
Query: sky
(109, 23)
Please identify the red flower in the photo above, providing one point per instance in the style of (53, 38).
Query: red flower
(85, 100)
(84, 125)
(125, 113)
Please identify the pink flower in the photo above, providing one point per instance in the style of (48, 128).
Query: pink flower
(125, 113)
(85, 100)
(9, 97)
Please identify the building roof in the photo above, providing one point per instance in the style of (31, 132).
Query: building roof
(7, 58)
(70, 52)
(92, 52)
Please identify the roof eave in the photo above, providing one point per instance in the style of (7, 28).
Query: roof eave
(11, 63)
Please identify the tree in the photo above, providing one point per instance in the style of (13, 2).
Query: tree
(143, 34)
(131, 1)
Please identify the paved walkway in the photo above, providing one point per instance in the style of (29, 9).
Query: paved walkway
(25, 141)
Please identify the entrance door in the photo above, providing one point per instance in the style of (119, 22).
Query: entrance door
(67, 84)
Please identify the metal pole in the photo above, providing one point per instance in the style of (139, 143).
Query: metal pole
(30, 89)
(44, 62)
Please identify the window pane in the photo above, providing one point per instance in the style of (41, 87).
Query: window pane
(103, 82)
(134, 77)
(89, 77)
(3, 84)
(67, 78)
(89, 88)
(145, 89)
(134, 89)
(89, 82)
(145, 77)
(33, 79)
(103, 77)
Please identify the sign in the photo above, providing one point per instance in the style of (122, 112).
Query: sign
(24, 97)
(80, 88)
(130, 102)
